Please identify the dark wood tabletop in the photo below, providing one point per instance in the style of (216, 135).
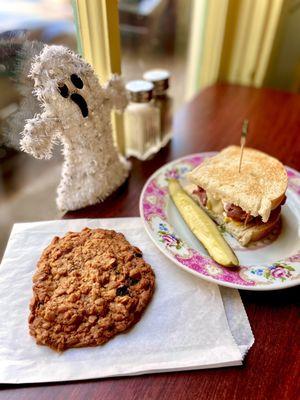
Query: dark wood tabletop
(211, 121)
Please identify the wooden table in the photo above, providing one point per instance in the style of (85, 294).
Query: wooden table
(212, 121)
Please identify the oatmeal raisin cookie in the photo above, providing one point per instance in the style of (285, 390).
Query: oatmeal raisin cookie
(88, 287)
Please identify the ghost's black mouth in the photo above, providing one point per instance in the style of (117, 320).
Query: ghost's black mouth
(79, 100)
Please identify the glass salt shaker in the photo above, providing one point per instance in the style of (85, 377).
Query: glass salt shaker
(160, 79)
(141, 121)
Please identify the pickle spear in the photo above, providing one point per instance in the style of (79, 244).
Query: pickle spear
(202, 226)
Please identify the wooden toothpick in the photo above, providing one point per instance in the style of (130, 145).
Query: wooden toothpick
(243, 140)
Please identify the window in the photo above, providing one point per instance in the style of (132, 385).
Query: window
(27, 185)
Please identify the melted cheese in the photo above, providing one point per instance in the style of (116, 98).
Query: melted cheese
(214, 204)
(218, 207)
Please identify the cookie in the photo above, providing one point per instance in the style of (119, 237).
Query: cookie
(89, 286)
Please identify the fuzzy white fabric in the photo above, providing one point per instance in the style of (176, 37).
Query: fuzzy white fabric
(92, 167)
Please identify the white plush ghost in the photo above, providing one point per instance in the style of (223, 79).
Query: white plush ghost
(77, 112)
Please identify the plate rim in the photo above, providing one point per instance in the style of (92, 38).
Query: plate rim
(211, 279)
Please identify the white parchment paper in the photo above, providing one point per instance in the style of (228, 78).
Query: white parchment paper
(184, 327)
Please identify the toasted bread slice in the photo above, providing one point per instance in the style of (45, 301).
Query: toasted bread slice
(257, 189)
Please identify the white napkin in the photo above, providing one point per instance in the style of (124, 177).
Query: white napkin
(184, 327)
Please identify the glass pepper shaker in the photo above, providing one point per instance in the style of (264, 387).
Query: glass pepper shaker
(160, 79)
(141, 121)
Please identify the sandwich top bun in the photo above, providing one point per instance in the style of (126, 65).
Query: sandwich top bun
(257, 189)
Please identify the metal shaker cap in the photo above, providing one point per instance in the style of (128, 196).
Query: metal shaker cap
(140, 91)
(159, 77)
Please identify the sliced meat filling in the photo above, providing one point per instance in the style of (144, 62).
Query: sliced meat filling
(238, 214)
(235, 212)
(201, 193)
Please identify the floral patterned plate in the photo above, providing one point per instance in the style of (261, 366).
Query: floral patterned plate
(270, 264)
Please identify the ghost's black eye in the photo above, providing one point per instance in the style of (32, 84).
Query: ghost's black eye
(77, 82)
(63, 90)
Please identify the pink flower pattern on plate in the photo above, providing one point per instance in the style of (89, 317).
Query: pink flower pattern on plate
(199, 263)
(155, 208)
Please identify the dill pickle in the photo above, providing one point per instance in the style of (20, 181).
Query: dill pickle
(202, 226)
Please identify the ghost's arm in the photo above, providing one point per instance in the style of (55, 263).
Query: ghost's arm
(39, 135)
(116, 93)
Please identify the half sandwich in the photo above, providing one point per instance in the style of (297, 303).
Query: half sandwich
(246, 203)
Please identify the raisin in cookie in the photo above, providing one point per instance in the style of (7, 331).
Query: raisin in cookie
(88, 287)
